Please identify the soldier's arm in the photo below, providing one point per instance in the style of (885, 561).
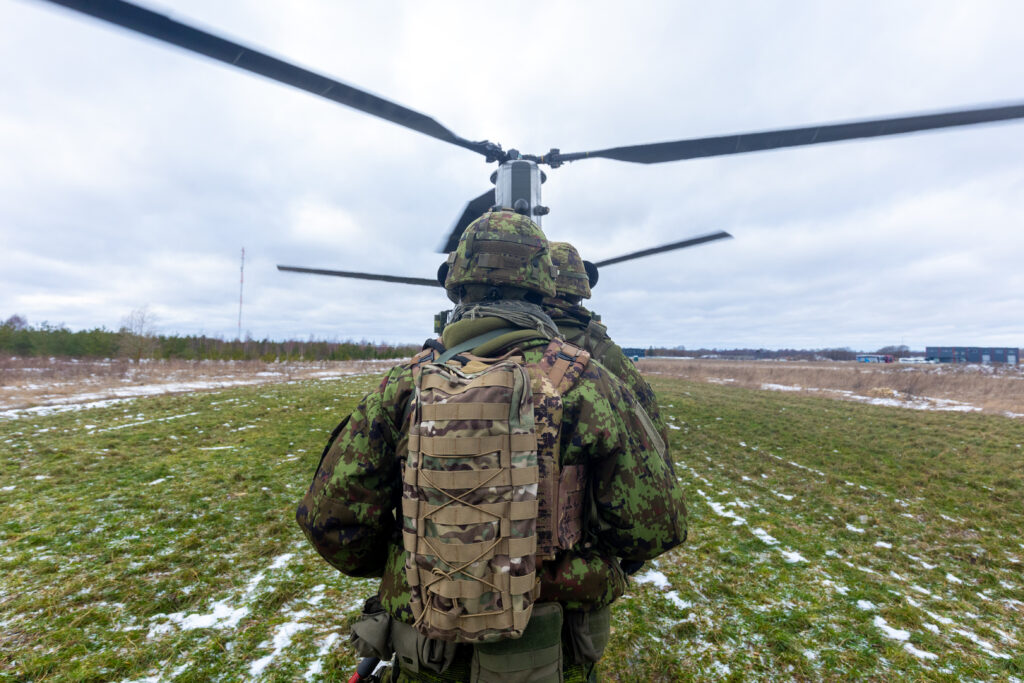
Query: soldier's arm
(638, 509)
(631, 377)
(347, 512)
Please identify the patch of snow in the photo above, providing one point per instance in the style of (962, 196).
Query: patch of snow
(721, 669)
(854, 529)
(158, 481)
(780, 387)
(882, 544)
(890, 632)
(792, 556)
(672, 426)
(985, 646)
(653, 576)
(720, 510)
(866, 605)
(7, 488)
(222, 616)
(765, 536)
(282, 639)
(920, 654)
(952, 579)
(40, 411)
(317, 667)
(673, 596)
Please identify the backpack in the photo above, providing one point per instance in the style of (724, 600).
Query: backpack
(483, 499)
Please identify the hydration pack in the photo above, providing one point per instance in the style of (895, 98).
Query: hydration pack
(483, 497)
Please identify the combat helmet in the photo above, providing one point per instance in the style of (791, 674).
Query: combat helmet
(500, 249)
(573, 279)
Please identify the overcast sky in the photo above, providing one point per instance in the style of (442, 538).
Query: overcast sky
(133, 173)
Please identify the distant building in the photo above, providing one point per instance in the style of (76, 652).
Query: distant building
(972, 354)
(874, 358)
(633, 353)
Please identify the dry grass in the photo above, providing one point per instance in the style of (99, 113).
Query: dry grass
(991, 388)
(28, 382)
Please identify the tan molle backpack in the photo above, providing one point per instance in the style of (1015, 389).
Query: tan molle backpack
(481, 491)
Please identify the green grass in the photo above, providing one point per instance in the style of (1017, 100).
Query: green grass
(156, 538)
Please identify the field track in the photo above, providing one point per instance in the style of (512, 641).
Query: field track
(153, 539)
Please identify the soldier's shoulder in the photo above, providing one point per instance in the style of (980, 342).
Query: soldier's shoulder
(399, 378)
(597, 380)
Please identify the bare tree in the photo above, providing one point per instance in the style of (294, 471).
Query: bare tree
(16, 322)
(138, 335)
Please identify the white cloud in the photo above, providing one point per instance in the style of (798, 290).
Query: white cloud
(134, 172)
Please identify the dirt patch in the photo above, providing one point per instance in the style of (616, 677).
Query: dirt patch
(989, 388)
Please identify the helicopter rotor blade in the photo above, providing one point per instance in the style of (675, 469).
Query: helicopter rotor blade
(163, 28)
(365, 276)
(474, 209)
(659, 152)
(682, 244)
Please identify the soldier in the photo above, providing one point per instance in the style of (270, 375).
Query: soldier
(583, 328)
(584, 487)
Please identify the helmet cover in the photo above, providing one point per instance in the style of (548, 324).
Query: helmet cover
(573, 279)
(502, 248)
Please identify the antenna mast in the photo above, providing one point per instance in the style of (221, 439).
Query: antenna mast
(241, 284)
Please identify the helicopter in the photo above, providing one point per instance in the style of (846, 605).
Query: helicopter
(518, 177)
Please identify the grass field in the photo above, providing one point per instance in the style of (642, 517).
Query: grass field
(153, 540)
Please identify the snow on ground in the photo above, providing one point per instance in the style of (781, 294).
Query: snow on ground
(935, 624)
(85, 400)
(221, 614)
(896, 401)
(317, 667)
(282, 640)
(652, 576)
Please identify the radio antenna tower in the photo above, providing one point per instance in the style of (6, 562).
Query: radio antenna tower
(241, 285)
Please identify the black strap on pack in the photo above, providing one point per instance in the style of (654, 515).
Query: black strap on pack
(434, 344)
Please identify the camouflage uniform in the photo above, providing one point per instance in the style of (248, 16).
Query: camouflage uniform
(635, 508)
(582, 327)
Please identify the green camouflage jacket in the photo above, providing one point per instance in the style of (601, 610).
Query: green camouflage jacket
(636, 507)
(579, 326)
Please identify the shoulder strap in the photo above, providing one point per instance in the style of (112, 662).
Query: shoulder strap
(563, 363)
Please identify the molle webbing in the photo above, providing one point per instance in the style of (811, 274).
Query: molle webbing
(469, 505)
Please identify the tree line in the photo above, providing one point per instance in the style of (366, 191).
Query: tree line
(21, 339)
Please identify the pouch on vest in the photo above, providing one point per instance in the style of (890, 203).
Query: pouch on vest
(588, 633)
(417, 653)
(536, 657)
(370, 635)
(469, 502)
